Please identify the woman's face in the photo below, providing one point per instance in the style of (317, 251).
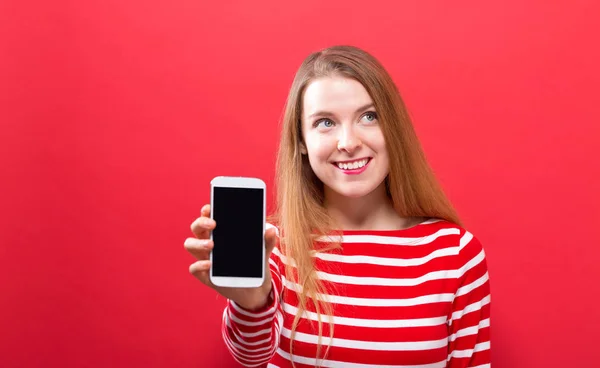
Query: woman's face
(342, 137)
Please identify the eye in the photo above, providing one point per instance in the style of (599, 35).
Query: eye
(370, 116)
(325, 123)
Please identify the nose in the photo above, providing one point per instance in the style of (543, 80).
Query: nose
(348, 141)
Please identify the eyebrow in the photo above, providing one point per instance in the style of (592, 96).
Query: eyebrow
(327, 113)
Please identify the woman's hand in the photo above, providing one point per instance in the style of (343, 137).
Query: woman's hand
(200, 247)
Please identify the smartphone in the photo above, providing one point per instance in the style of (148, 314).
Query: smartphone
(238, 206)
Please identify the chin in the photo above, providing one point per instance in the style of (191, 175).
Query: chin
(353, 191)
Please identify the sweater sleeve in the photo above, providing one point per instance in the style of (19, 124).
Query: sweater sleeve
(469, 320)
(252, 337)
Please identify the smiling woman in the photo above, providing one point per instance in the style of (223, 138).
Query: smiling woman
(371, 266)
(343, 139)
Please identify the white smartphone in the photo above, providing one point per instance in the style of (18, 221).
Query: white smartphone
(238, 206)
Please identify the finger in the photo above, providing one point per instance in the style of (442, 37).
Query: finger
(205, 211)
(199, 248)
(271, 238)
(202, 226)
(200, 271)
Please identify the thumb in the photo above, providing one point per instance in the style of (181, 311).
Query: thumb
(271, 237)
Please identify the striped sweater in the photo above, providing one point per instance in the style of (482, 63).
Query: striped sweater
(417, 298)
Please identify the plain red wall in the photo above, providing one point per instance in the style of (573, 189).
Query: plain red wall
(115, 115)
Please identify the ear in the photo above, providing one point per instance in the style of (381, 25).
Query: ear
(303, 149)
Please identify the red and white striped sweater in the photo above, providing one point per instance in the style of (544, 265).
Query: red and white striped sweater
(417, 298)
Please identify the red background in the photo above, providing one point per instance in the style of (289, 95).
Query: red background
(115, 115)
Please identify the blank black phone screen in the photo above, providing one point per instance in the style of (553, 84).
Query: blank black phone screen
(238, 236)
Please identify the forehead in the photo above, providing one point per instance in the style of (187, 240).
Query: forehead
(334, 94)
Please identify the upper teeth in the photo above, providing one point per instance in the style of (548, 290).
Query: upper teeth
(353, 165)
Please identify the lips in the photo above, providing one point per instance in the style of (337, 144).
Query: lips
(354, 167)
(355, 164)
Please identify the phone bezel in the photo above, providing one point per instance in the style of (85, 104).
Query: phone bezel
(239, 182)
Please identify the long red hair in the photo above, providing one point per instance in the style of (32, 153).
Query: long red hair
(411, 184)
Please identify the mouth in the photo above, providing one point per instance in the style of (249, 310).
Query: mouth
(354, 166)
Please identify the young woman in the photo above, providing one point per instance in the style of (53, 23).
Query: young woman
(369, 263)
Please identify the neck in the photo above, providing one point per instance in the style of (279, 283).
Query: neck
(373, 211)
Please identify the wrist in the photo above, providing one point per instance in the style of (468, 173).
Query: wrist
(264, 301)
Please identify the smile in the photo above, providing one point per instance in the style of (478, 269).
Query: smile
(353, 167)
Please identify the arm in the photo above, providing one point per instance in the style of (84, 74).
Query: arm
(252, 337)
(469, 321)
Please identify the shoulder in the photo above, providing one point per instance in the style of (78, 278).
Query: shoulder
(436, 224)
(457, 234)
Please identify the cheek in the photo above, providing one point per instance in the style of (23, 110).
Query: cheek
(319, 147)
(385, 158)
(379, 142)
